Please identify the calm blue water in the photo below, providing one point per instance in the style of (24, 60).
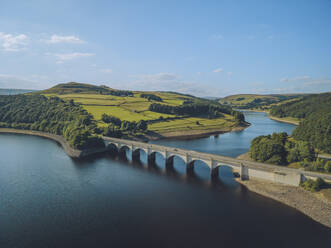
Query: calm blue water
(50, 200)
(235, 143)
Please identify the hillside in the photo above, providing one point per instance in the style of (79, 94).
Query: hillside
(301, 108)
(75, 88)
(51, 115)
(315, 113)
(134, 106)
(257, 102)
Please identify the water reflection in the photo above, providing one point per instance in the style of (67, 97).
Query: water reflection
(178, 170)
(50, 200)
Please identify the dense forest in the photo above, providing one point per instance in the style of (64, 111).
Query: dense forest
(304, 107)
(281, 149)
(315, 110)
(117, 128)
(53, 115)
(198, 109)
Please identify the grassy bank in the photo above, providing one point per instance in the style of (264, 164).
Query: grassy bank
(290, 120)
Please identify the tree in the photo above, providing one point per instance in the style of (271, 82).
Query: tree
(327, 166)
(142, 125)
(264, 149)
(105, 118)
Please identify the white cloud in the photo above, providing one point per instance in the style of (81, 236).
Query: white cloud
(301, 84)
(318, 82)
(61, 57)
(12, 43)
(55, 39)
(296, 79)
(171, 82)
(163, 76)
(218, 70)
(107, 70)
(23, 82)
(217, 37)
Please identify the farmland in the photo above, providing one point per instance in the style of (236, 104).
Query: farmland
(258, 102)
(136, 108)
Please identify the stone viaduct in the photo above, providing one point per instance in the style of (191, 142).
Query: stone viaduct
(246, 169)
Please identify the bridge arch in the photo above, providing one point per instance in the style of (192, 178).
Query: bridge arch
(198, 167)
(171, 159)
(122, 149)
(227, 174)
(136, 154)
(152, 156)
(112, 148)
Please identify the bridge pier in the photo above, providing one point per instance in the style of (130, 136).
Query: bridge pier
(243, 172)
(151, 158)
(169, 163)
(122, 153)
(214, 173)
(136, 155)
(190, 168)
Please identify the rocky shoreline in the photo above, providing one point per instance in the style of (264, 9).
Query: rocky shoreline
(314, 205)
(311, 204)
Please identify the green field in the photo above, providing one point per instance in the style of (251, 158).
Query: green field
(258, 102)
(187, 124)
(136, 108)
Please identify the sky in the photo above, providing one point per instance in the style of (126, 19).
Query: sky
(204, 48)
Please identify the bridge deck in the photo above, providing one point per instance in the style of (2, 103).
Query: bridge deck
(217, 158)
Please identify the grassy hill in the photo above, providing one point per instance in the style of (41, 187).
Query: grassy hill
(258, 102)
(134, 106)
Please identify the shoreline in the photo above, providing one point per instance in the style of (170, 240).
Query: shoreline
(76, 153)
(71, 152)
(317, 208)
(313, 205)
(284, 120)
(195, 134)
(296, 123)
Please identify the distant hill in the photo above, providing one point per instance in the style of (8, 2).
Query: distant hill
(164, 111)
(255, 101)
(14, 91)
(303, 107)
(74, 88)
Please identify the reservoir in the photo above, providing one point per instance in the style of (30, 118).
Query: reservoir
(50, 200)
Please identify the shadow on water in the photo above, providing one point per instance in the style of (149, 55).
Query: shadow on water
(178, 171)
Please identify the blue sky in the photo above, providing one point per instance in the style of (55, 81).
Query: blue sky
(205, 48)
